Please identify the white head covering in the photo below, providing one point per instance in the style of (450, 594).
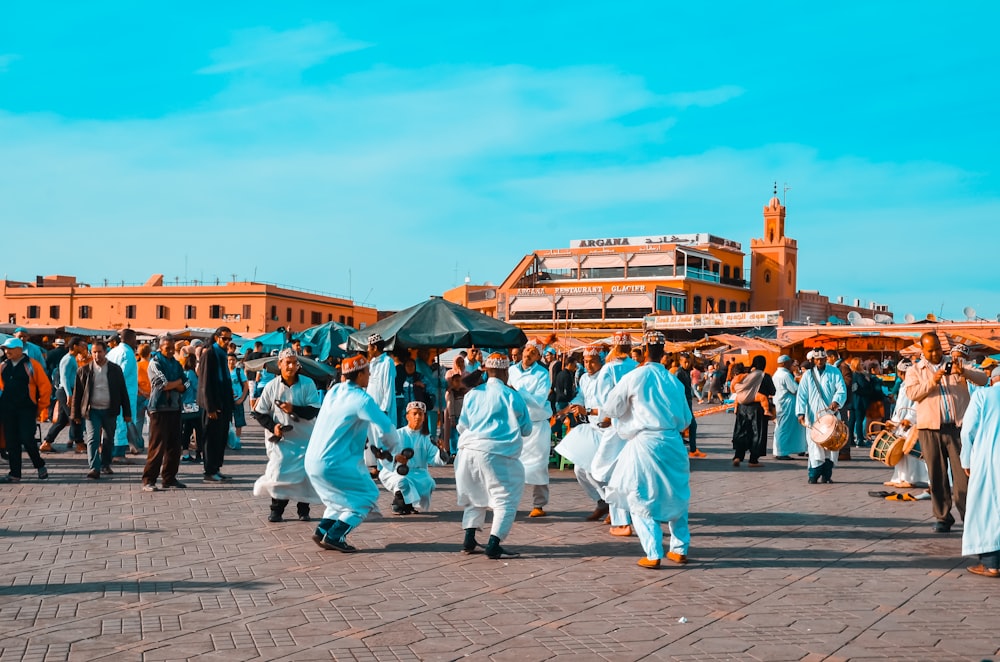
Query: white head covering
(497, 361)
(817, 353)
(374, 338)
(960, 349)
(416, 404)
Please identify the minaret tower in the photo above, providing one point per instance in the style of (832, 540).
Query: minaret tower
(774, 262)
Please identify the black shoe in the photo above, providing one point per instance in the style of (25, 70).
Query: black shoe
(107, 471)
(94, 474)
(43, 473)
(304, 517)
(275, 516)
(335, 538)
(813, 481)
(470, 546)
(495, 551)
(212, 478)
(223, 477)
(782, 457)
(176, 484)
(942, 527)
(10, 479)
(826, 480)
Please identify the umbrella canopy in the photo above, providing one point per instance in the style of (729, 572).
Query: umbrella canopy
(437, 323)
(326, 339)
(312, 369)
(271, 341)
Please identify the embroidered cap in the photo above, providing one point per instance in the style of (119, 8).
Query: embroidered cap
(416, 404)
(287, 353)
(353, 364)
(817, 353)
(591, 352)
(960, 349)
(904, 365)
(497, 361)
(374, 338)
(622, 338)
(654, 338)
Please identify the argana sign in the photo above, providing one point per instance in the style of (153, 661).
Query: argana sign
(710, 320)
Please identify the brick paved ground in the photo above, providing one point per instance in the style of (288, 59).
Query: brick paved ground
(780, 570)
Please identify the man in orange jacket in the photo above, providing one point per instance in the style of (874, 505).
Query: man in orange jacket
(25, 399)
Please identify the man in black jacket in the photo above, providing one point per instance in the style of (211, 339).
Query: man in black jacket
(215, 399)
(98, 397)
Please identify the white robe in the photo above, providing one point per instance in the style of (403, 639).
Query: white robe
(534, 385)
(124, 357)
(652, 475)
(285, 475)
(335, 456)
(810, 401)
(981, 456)
(909, 469)
(789, 435)
(417, 485)
(611, 443)
(581, 443)
(382, 384)
(488, 471)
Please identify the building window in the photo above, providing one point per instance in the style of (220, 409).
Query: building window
(274, 313)
(190, 312)
(743, 307)
(722, 304)
(162, 313)
(329, 317)
(246, 311)
(350, 320)
(130, 312)
(736, 273)
(767, 276)
(342, 319)
(710, 305)
(84, 312)
(603, 272)
(302, 316)
(696, 305)
(316, 317)
(668, 303)
(54, 312)
(215, 312)
(725, 272)
(288, 314)
(34, 312)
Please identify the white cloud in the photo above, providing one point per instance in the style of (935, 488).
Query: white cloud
(704, 98)
(262, 48)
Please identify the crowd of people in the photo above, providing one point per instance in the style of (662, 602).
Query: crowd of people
(625, 416)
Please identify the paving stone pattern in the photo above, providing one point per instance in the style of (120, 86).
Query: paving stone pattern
(780, 570)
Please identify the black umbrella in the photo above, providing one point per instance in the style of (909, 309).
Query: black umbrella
(312, 369)
(440, 324)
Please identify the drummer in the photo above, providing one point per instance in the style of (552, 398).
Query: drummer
(587, 434)
(910, 471)
(822, 392)
(414, 487)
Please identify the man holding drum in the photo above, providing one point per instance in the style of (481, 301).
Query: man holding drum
(821, 394)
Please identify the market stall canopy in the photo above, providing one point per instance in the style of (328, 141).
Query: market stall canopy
(326, 339)
(312, 369)
(976, 344)
(747, 344)
(437, 323)
(272, 341)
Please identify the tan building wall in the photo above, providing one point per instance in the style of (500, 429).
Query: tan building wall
(248, 308)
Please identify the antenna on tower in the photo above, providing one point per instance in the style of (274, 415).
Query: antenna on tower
(784, 192)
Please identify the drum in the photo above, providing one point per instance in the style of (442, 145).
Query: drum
(887, 448)
(828, 432)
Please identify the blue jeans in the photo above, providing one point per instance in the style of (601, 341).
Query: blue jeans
(100, 437)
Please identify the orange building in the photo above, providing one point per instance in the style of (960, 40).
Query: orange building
(248, 308)
(598, 285)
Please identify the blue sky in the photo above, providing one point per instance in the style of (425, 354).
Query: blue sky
(387, 150)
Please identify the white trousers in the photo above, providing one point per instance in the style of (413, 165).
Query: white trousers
(651, 536)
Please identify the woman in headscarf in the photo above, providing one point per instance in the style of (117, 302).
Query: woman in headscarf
(750, 429)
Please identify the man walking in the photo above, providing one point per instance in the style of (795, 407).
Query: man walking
(532, 382)
(99, 396)
(66, 372)
(24, 400)
(123, 355)
(215, 399)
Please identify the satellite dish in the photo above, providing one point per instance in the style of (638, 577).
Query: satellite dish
(970, 313)
(883, 319)
(866, 321)
(910, 319)
(854, 317)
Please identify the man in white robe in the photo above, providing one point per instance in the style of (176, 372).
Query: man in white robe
(821, 390)
(618, 364)
(124, 357)
(488, 472)
(335, 460)
(533, 383)
(287, 410)
(789, 435)
(580, 444)
(911, 470)
(414, 487)
(652, 475)
(381, 386)
(981, 464)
